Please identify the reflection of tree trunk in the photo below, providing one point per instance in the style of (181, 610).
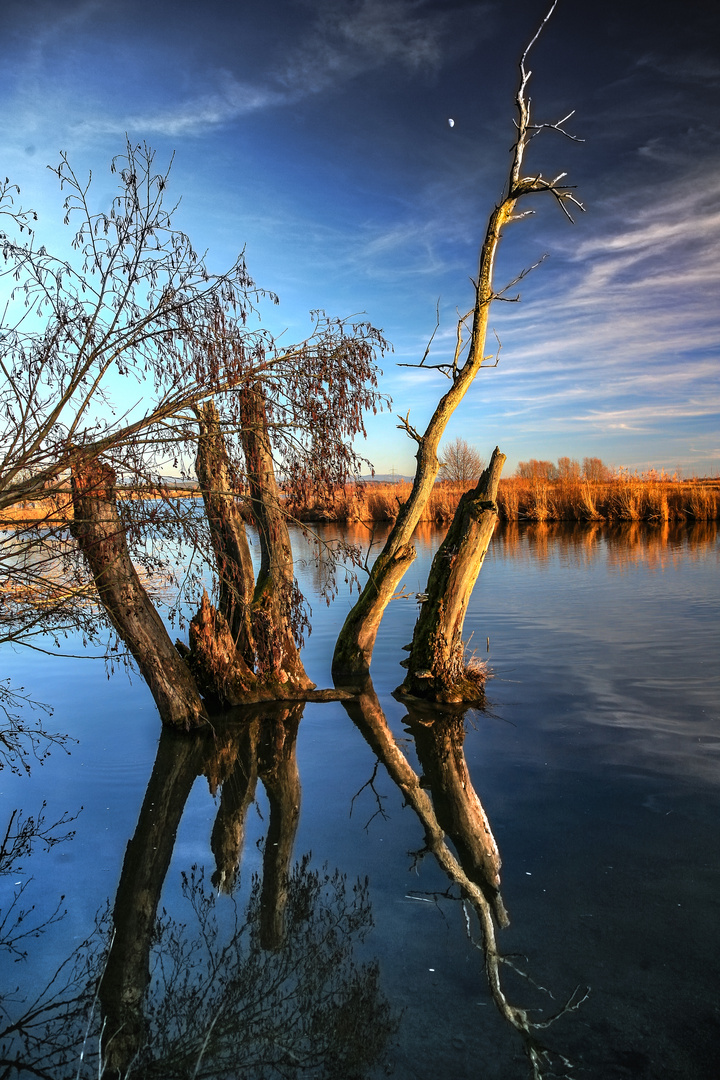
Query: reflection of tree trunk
(482, 886)
(278, 770)
(477, 877)
(274, 610)
(101, 537)
(437, 668)
(237, 795)
(263, 745)
(459, 811)
(227, 530)
(146, 863)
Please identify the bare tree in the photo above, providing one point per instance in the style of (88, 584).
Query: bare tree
(130, 358)
(568, 469)
(461, 463)
(355, 643)
(537, 471)
(595, 471)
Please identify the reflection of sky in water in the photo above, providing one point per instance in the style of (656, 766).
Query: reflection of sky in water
(597, 767)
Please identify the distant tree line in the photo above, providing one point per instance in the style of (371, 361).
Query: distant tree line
(568, 470)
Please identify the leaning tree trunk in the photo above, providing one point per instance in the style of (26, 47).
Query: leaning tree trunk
(437, 669)
(101, 537)
(275, 611)
(355, 643)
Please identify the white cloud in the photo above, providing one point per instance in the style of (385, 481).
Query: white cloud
(194, 116)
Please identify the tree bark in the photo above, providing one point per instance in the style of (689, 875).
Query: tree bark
(275, 615)
(101, 537)
(217, 663)
(227, 531)
(437, 669)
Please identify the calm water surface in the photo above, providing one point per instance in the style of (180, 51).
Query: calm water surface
(596, 765)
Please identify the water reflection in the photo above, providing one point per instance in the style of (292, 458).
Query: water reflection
(455, 811)
(278, 989)
(627, 544)
(23, 833)
(274, 990)
(275, 986)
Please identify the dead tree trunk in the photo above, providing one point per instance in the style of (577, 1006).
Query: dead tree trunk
(437, 669)
(101, 537)
(275, 607)
(227, 531)
(353, 650)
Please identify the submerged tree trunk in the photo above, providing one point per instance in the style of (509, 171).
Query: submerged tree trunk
(437, 668)
(101, 537)
(275, 613)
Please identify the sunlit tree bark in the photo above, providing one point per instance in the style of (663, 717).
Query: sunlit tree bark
(438, 669)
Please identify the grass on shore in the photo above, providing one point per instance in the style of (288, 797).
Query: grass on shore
(623, 497)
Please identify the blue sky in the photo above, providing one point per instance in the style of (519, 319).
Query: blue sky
(315, 134)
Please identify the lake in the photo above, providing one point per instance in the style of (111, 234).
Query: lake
(283, 903)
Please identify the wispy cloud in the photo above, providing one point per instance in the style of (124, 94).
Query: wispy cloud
(692, 67)
(231, 100)
(342, 40)
(349, 38)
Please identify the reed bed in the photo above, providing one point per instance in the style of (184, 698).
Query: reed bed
(621, 498)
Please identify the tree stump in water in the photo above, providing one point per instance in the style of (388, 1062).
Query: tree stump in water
(437, 667)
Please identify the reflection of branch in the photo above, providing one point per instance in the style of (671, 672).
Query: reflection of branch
(21, 740)
(50, 1031)
(14, 925)
(378, 797)
(23, 833)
